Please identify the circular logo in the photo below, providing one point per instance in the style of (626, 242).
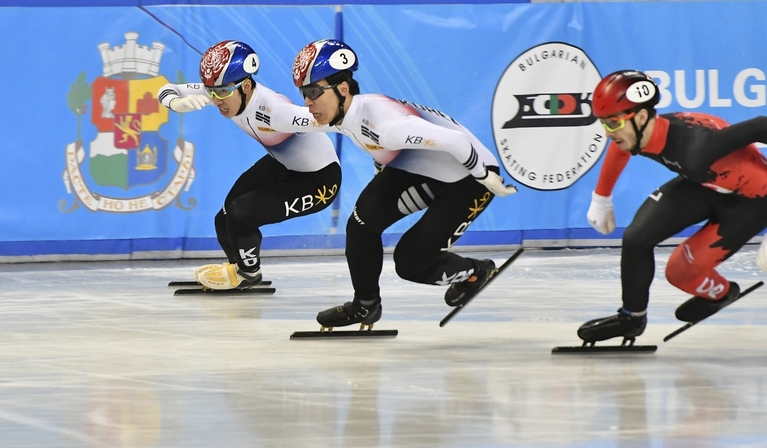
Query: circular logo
(250, 64)
(545, 133)
(342, 59)
(640, 92)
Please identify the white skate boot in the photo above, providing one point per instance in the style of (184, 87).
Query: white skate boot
(228, 276)
(206, 267)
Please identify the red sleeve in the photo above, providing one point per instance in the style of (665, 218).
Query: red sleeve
(612, 167)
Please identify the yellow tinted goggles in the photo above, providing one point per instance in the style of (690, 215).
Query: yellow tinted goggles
(223, 93)
(616, 123)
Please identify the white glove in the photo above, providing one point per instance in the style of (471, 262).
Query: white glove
(761, 255)
(600, 214)
(494, 183)
(189, 103)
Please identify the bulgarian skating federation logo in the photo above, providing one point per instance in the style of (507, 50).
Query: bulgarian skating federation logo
(545, 133)
(128, 151)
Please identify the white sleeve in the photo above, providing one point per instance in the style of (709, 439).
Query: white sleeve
(416, 133)
(170, 92)
(289, 117)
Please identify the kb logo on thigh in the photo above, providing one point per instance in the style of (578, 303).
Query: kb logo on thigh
(299, 205)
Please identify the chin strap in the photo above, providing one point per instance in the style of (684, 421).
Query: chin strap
(639, 133)
(243, 99)
(341, 112)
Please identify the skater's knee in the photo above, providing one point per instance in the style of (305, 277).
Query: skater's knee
(635, 238)
(408, 264)
(678, 269)
(220, 220)
(632, 236)
(406, 272)
(362, 224)
(242, 217)
(236, 211)
(683, 269)
(353, 224)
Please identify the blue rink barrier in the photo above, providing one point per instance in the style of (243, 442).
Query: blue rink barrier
(72, 189)
(170, 248)
(124, 3)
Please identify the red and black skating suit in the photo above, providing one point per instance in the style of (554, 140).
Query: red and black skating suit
(722, 180)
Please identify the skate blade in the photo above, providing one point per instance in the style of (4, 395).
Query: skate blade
(224, 292)
(490, 280)
(591, 349)
(346, 334)
(196, 284)
(689, 325)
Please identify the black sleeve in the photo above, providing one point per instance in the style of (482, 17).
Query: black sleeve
(734, 137)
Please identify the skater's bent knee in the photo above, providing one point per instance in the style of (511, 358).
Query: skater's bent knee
(368, 226)
(682, 272)
(410, 273)
(634, 238)
(409, 265)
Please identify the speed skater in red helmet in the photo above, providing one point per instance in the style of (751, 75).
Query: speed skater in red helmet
(618, 98)
(721, 184)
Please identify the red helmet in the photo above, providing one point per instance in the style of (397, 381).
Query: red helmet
(623, 91)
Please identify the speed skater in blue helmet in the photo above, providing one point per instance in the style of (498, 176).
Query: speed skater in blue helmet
(224, 69)
(322, 65)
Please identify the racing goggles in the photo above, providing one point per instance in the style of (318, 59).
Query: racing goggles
(223, 92)
(314, 91)
(616, 123)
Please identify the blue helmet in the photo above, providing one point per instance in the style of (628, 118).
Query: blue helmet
(227, 62)
(321, 59)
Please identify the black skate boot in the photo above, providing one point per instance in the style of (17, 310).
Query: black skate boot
(250, 279)
(624, 324)
(350, 313)
(698, 308)
(460, 293)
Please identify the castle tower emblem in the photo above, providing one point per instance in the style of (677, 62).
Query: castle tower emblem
(128, 151)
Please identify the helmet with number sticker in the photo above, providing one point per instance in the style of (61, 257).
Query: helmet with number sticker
(321, 59)
(624, 91)
(228, 62)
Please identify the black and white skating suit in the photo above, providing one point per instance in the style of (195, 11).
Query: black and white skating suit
(300, 175)
(430, 163)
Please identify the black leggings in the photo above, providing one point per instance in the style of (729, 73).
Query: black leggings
(420, 255)
(269, 193)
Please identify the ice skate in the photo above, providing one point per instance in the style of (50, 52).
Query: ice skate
(196, 287)
(624, 324)
(207, 267)
(462, 293)
(698, 308)
(349, 313)
(228, 276)
(459, 294)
